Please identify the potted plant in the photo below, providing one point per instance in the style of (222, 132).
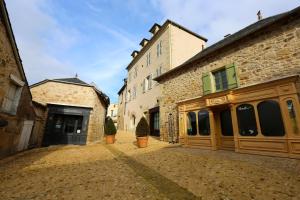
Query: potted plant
(142, 131)
(110, 131)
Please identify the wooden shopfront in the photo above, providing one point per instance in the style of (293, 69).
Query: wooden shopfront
(260, 119)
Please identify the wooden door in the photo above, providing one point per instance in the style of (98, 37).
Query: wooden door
(226, 139)
(25, 135)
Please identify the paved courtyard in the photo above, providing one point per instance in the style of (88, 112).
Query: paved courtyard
(161, 171)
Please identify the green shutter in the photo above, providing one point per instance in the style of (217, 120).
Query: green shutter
(231, 76)
(206, 82)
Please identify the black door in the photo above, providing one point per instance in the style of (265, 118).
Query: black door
(154, 122)
(65, 129)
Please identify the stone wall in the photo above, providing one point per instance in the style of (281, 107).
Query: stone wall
(268, 54)
(74, 95)
(10, 134)
(97, 120)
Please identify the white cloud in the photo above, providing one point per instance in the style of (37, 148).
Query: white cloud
(214, 19)
(39, 37)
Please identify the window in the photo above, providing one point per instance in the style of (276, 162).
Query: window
(156, 121)
(159, 49)
(203, 122)
(159, 71)
(134, 92)
(221, 82)
(147, 83)
(135, 72)
(112, 113)
(223, 79)
(12, 98)
(292, 115)
(149, 79)
(270, 118)
(129, 77)
(226, 123)
(128, 95)
(246, 120)
(144, 85)
(148, 59)
(191, 124)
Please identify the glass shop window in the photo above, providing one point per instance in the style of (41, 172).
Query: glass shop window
(191, 124)
(292, 116)
(270, 118)
(246, 120)
(226, 123)
(203, 122)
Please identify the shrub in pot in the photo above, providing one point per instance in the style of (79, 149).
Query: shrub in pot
(142, 131)
(110, 131)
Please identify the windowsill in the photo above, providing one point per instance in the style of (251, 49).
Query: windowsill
(8, 113)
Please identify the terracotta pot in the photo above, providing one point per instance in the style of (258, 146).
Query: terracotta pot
(110, 139)
(142, 142)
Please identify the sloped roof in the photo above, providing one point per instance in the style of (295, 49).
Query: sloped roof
(259, 25)
(76, 81)
(165, 25)
(71, 80)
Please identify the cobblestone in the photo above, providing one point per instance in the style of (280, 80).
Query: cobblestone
(160, 171)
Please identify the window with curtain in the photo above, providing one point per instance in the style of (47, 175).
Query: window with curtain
(203, 122)
(191, 123)
(246, 120)
(270, 118)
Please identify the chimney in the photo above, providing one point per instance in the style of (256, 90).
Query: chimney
(259, 15)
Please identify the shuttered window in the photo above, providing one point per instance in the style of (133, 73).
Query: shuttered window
(223, 79)
(220, 77)
(206, 82)
(231, 76)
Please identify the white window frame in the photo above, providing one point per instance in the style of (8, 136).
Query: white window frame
(10, 104)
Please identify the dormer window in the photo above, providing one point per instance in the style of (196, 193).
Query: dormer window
(144, 42)
(134, 53)
(155, 28)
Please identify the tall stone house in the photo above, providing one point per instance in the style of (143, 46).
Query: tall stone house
(112, 112)
(76, 111)
(170, 45)
(122, 106)
(17, 115)
(241, 93)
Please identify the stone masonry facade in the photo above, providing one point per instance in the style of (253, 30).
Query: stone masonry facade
(74, 95)
(267, 54)
(11, 133)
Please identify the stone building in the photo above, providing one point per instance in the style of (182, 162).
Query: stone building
(75, 110)
(112, 112)
(122, 106)
(16, 110)
(170, 45)
(241, 93)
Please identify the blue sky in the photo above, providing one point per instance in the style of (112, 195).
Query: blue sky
(94, 38)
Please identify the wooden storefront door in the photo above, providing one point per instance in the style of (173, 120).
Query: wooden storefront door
(225, 139)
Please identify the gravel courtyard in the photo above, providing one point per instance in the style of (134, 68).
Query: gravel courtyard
(161, 171)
